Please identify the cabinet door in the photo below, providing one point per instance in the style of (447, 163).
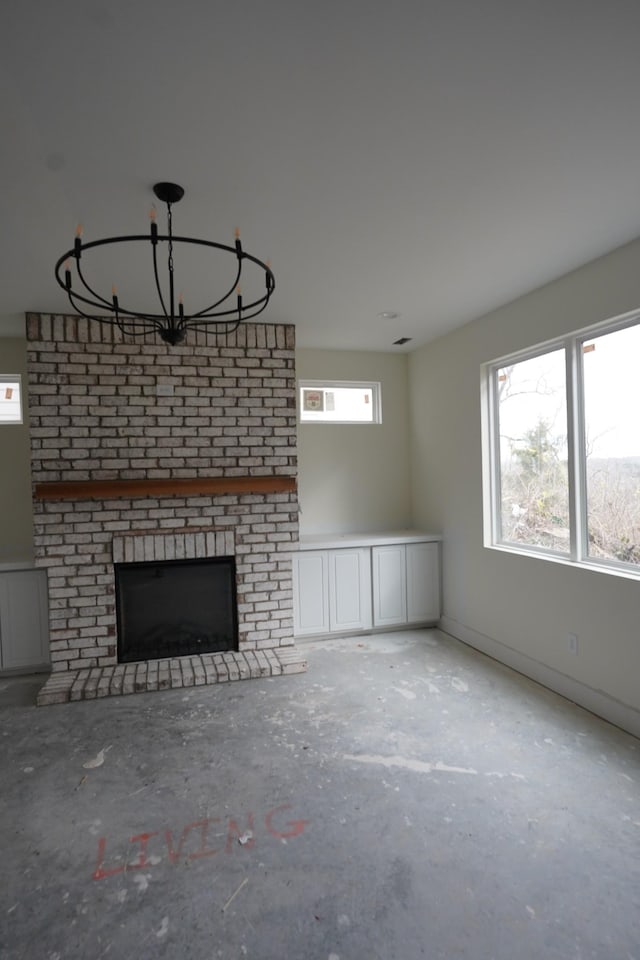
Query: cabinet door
(423, 582)
(310, 593)
(389, 585)
(349, 590)
(24, 629)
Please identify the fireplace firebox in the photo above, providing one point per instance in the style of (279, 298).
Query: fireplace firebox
(176, 608)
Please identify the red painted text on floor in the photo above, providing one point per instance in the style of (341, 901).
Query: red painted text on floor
(193, 842)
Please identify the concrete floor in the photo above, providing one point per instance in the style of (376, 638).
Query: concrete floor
(405, 798)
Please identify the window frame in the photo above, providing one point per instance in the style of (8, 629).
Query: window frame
(577, 555)
(13, 378)
(376, 400)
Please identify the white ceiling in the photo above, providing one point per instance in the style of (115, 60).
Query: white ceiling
(432, 157)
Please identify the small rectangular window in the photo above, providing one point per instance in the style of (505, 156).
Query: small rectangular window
(10, 399)
(339, 401)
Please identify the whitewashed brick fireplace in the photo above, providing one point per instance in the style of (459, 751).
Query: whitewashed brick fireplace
(141, 451)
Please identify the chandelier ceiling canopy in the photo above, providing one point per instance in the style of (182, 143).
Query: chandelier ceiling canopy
(171, 320)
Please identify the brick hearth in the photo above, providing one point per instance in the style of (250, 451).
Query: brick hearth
(125, 678)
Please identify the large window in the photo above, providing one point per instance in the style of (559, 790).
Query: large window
(562, 448)
(10, 399)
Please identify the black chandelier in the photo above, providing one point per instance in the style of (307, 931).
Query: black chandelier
(171, 324)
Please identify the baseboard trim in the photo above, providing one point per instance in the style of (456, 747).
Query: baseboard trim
(369, 632)
(604, 706)
(27, 671)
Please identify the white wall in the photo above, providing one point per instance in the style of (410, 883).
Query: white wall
(520, 608)
(16, 526)
(355, 477)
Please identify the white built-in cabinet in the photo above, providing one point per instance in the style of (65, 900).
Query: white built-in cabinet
(354, 584)
(349, 589)
(389, 585)
(332, 590)
(406, 583)
(311, 593)
(24, 627)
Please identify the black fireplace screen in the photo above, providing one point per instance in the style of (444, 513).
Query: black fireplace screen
(175, 608)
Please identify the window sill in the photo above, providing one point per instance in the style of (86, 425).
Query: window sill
(565, 561)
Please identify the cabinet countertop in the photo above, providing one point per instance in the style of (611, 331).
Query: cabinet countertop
(336, 541)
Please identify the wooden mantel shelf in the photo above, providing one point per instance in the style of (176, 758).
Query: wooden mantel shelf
(192, 487)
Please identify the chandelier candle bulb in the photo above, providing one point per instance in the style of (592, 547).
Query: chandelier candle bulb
(67, 274)
(154, 226)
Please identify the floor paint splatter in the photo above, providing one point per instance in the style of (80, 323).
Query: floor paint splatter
(418, 766)
(96, 761)
(407, 694)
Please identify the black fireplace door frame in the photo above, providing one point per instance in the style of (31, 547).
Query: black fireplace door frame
(153, 626)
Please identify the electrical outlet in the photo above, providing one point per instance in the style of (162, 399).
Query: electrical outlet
(572, 642)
